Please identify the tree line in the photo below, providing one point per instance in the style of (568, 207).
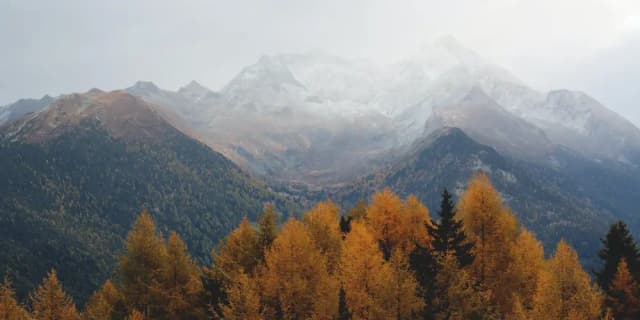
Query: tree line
(386, 259)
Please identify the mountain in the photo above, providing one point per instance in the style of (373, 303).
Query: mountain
(76, 175)
(23, 106)
(546, 201)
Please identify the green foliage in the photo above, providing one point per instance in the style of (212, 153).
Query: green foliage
(617, 244)
(69, 202)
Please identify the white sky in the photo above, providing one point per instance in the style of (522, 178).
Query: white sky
(65, 46)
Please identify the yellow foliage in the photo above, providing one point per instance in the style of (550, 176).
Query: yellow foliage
(243, 300)
(564, 290)
(295, 279)
(102, 303)
(365, 276)
(322, 225)
(494, 229)
(238, 253)
(50, 302)
(9, 307)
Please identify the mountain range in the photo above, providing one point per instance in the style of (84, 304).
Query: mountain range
(309, 126)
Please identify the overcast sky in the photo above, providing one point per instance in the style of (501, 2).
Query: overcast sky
(65, 46)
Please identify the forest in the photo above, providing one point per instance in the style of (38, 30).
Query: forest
(388, 258)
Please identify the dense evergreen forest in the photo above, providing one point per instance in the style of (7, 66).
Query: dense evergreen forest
(389, 258)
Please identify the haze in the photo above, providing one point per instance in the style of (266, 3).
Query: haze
(65, 46)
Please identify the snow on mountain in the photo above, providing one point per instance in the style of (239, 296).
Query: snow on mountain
(22, 107)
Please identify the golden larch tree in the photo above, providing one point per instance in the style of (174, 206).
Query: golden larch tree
(322, 223)
(238, 253)
(564, 290)
(494, 229)
(10, 309)
(522, 275)
(181, 287)
(416, 220)
(103, 303)
(135, 315)
(405, 303)
(295, 281)
(243, 300)
(142, 266)
(386, 218)
(623, 296)
(365, 276)
(50, 302)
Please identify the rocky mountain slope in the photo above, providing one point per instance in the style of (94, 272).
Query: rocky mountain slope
(76, 175)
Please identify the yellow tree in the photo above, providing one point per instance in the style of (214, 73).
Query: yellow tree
(564, 290)
(9, 307)
(623, 296)
(103, 303)
(50, 302)
(142, 266)
(494, 229)
(522, 275)
(386, 219)
(243, 300)
(180, 288)
(416, 219)
(458, 295)
(238, 253)
(267, 227)
(405, 303)
(365, 276)
(324, 230)
(135, 315)
(295, 282)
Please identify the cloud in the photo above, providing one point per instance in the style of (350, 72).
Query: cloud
(73, 45)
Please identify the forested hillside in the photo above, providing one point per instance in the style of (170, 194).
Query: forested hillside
(69, 198)
(390, 258)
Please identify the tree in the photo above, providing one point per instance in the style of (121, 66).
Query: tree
(448, 234)
(458, 294)
(494, 230)
(141, 268)
(243, 300)
(522, 276)
(623, 297)
(617, 244)
(405, 302)
(295, 281)
(447, 238)
(9, 307)
(135, 315)
(564, 290)
(416, 221)
(239, 253)
(364, 275)
(105, 304)
(384, 216)
(322, 224)
(267, 227)
(50, 302)
(180, 288)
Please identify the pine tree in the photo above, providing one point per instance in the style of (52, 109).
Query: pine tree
(448, 233)
(447, 238)
(180, 287)
(142, 266)
(105, 304)
(623, 297)
(295, 281)
(618, 244)
(9, 307)
(50, 302)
